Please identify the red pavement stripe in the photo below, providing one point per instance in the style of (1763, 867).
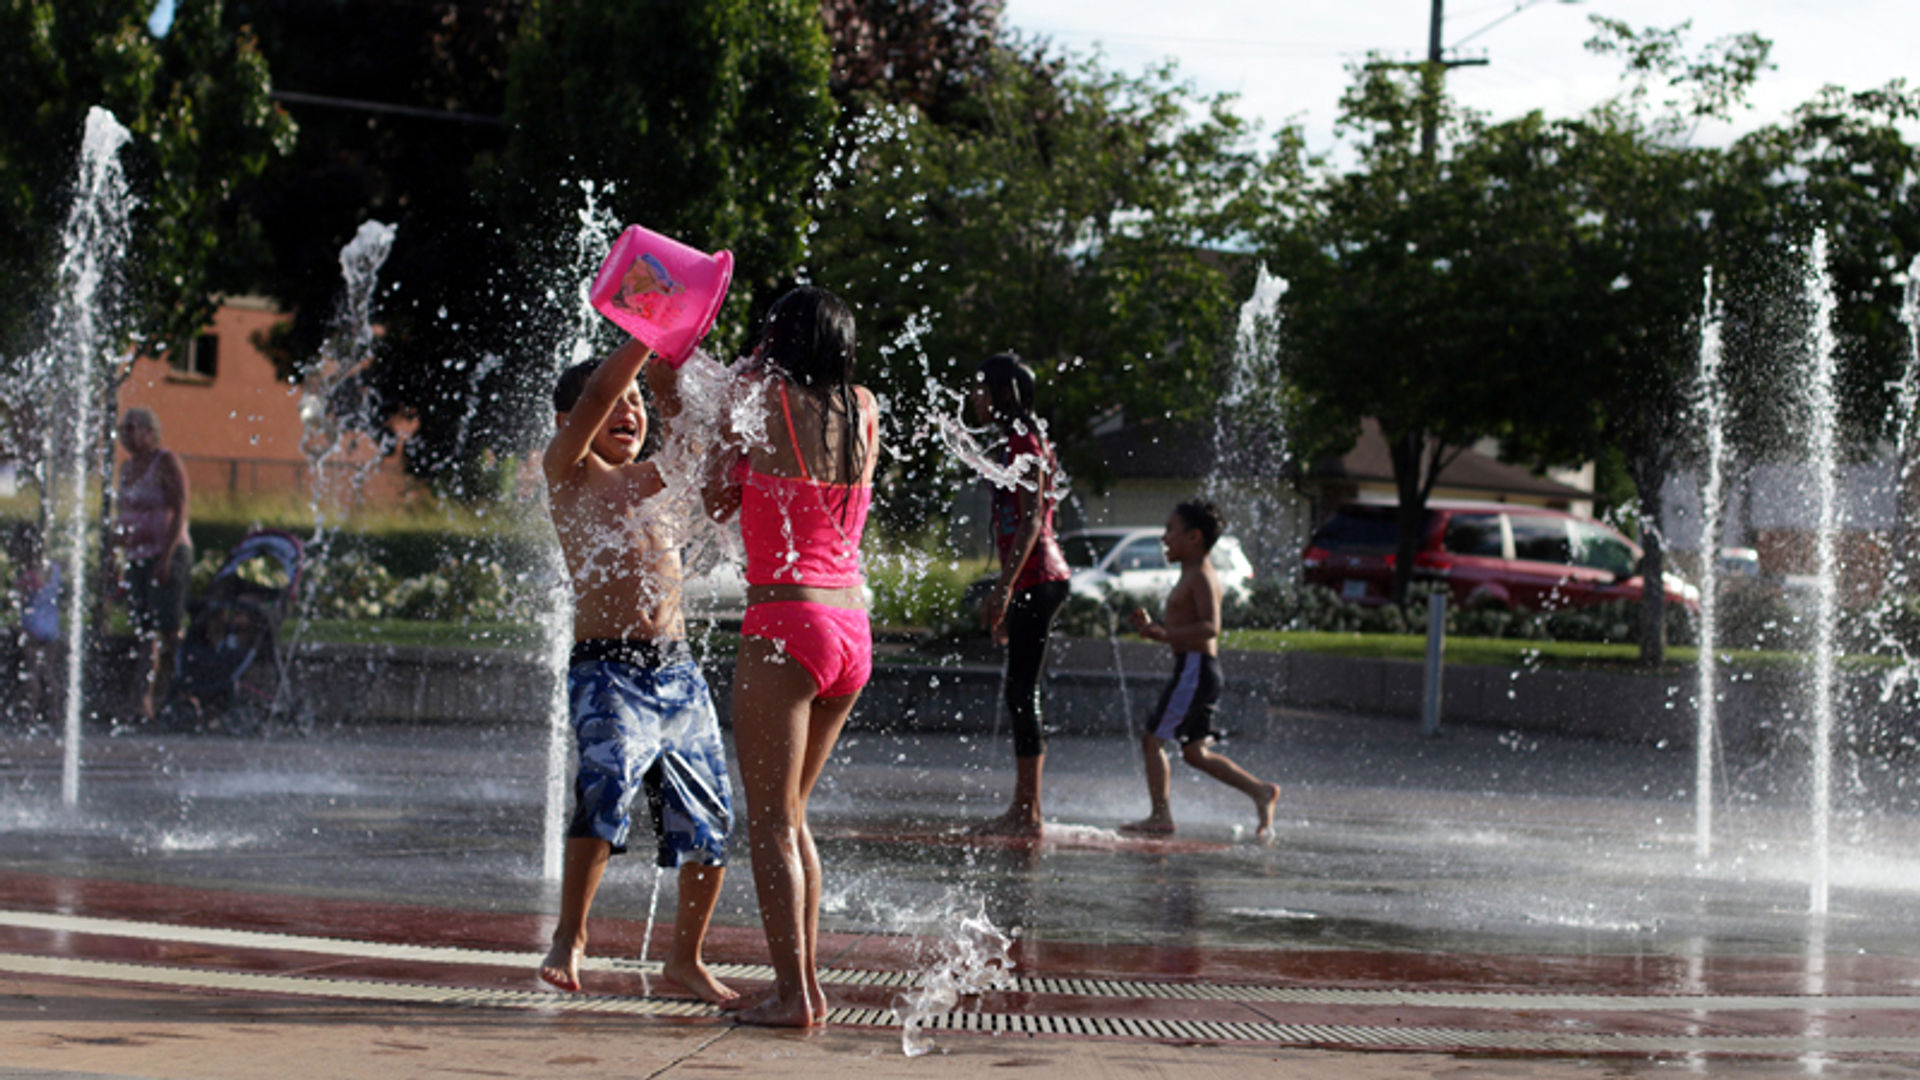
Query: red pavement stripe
(1363, 1019)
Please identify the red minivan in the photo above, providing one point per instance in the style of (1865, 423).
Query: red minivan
(1504, 555)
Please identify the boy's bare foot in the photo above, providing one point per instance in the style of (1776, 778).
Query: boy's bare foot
(1007, 824)
(1149, 826)
(694, 976)
(561, 968)
(1264, 806)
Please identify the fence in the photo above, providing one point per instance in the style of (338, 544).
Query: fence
(387, 482)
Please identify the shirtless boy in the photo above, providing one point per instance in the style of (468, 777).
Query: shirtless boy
(1185, 712)
(642, 713)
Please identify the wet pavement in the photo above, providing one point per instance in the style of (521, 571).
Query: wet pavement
(1480, 894)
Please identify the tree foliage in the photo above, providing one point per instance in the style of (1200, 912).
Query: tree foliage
(707, 121)
(1065, 212)
(1425, 288)
(927, 54)
(399, 101)
(196, 101)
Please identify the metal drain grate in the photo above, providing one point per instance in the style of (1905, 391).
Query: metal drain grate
(1075, 987)
(1317, 1035)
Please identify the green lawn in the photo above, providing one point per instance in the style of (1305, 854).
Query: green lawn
(1501, 652)
(1489, 652)
(419, 632)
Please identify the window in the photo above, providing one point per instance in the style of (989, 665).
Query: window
(1141, 555)
(1602, 550)
(1362, 530)
(1086, 550)
(1541, 539)
(199, 358)
(1475, 534)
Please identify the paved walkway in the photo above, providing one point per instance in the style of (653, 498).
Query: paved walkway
(126, 979)
(364, 905)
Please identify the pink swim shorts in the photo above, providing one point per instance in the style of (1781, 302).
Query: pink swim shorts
(835, 645)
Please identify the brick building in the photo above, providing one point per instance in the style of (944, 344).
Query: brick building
(234, 423)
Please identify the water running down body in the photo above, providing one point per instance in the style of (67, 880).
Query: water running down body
(806, 648)
(642, 713)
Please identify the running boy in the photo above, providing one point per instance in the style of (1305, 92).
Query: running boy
(1186, 709)
(642, 713)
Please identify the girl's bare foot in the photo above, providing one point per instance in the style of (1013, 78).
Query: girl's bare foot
(1010, 823)
(1264, 805)
(773, 1009)
(694, 975)
(561, 968)
(763, 998)
(1154, 825)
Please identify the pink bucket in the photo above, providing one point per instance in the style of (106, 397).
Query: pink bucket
(661, 291)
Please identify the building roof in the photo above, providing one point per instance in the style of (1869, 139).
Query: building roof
(1471, 470)
(1160, 451)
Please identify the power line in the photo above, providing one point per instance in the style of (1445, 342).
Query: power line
(1308, 47)
(294, 97)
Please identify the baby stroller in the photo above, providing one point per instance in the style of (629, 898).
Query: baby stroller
(229, 673)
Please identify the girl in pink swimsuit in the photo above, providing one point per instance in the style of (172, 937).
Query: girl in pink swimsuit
(806, 648)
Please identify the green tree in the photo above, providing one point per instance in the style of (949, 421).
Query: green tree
(197, 102)
(1427, 288)
(1841, 163)
(708, 121)
(398, 100)
(923, 53)
(1063, 211)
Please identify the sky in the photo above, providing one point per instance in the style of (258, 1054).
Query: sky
(1287, 58)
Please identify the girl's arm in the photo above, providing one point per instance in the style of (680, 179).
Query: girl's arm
(720, 488)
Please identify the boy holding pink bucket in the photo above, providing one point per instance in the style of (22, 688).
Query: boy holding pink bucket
(641, 711)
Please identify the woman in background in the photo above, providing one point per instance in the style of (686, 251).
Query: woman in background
(151, 533)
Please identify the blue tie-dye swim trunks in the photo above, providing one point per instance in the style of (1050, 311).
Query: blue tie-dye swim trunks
(644, 721)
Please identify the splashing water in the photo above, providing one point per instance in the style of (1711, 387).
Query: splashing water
(958, 952)
(595, 234)
(71, 369)
(965, 444)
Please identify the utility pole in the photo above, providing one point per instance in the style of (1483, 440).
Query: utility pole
(1435, 75)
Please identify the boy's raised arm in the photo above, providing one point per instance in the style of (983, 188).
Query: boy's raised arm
(663, 381)
(574, 439)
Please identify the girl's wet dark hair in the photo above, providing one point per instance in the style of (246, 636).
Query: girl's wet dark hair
(810, 337)
(1010, 385)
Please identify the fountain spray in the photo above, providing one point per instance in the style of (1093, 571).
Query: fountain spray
(597, 228)
(1906, 463)
(93, 243)
(1823, 453)
(335, 406)
(1250, 427)
(1710, 397)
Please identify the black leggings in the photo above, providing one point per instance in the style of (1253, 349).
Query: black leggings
(1030, 615)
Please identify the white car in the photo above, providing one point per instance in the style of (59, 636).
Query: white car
(1131, 561)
